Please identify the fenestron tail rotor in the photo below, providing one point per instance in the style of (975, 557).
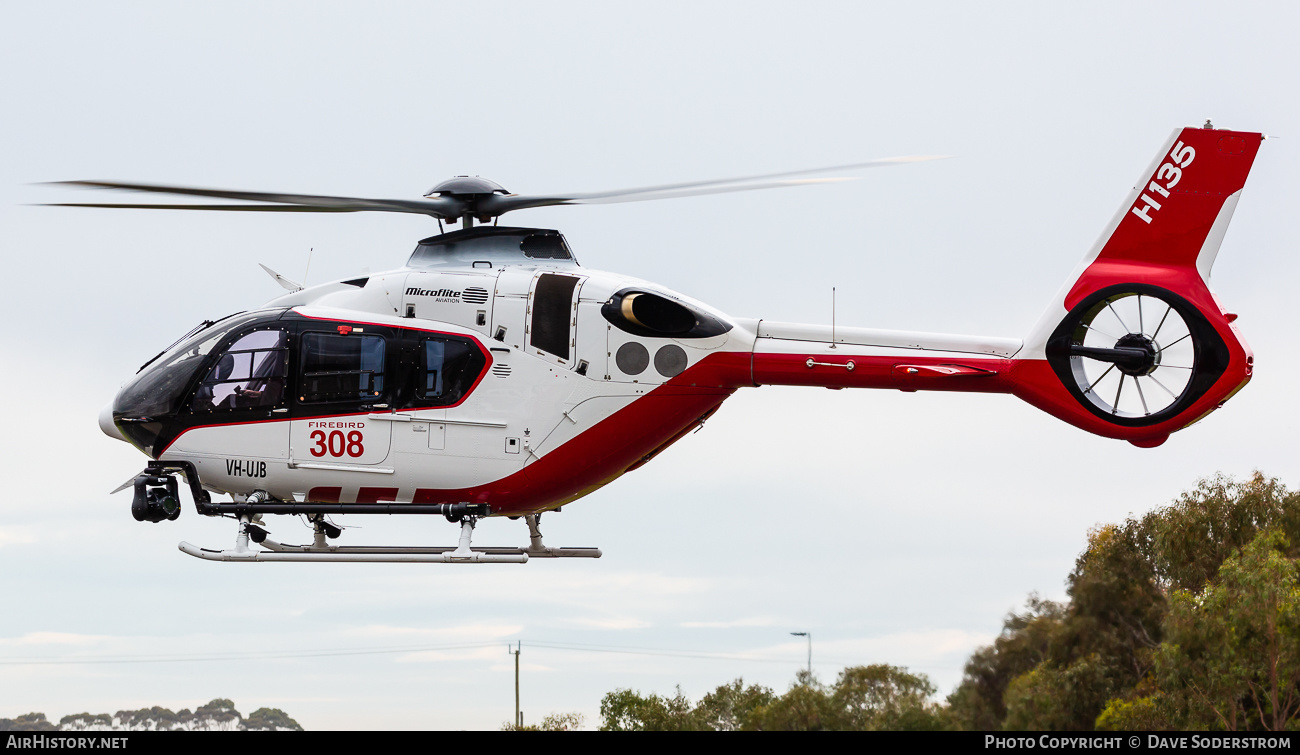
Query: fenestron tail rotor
(1136, 354)
(464, 198)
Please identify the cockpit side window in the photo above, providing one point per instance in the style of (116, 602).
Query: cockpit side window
(448, 369)
(341, 367)
(249, 375)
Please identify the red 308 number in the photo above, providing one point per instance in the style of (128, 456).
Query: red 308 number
(336, 444)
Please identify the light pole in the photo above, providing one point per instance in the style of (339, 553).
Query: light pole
(519, 716)
(809, 636)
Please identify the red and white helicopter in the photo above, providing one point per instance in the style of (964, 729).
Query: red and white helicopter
(494, 376)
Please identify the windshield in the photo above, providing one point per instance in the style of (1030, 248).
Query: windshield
(158, 389)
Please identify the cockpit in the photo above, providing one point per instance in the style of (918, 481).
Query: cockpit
(249, 374)
(158, 388)
(276, 364)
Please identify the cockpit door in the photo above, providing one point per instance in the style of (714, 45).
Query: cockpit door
(238, 414)
(343, 378)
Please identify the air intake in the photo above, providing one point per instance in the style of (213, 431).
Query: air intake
(643, 313)
(501, 370)
(475, 295)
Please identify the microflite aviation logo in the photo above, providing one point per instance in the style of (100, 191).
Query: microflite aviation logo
(440, 295)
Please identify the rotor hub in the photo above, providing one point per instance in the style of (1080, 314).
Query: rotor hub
(466, 186)
(1144, 366)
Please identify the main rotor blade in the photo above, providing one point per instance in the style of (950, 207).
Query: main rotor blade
(502, 204)
(497, 202)
(438, 206)
(454, 206)
(670, 194)
(881, 163)
(228, 207)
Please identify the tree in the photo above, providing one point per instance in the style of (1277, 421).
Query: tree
(1116, 603)
(86, 722)
(625, 710)
(806, 706)
(1102, 643)
(1098, 653)
(881, 697)
(153, 719)
(27, 722)
(1059, 697)
(978, 703)
(217, 715)
(553, 722)
(731, 707)
(862, 698)
(1196, 534)
(1185, 617)
(1141, 713)
(270, 719)
(1233, 649)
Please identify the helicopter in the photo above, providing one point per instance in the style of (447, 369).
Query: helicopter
(493, 376)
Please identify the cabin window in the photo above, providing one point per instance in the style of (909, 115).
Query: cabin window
(249, 375)
(448, 369)
(341, 367)
(552, 314)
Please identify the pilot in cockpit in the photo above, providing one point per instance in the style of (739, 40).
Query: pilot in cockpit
(205, 398)
(219, 392)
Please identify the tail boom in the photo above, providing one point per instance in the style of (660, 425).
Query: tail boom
(819, 364)
(822, 356)
(1138, 315)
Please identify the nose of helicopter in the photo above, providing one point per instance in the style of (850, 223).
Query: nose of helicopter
(107, 425)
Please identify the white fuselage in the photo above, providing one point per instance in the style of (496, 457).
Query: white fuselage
(529, 403)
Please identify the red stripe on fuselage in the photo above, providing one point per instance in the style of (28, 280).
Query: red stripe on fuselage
(324, 495)
(376, 495)
(987, 376)
(600, 454)
(610, 447)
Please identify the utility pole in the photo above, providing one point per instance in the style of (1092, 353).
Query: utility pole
(809, 636)
(519, 716)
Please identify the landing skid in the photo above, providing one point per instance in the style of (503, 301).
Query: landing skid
(322, 551)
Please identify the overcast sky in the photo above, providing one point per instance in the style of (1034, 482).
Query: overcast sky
(897, 528)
